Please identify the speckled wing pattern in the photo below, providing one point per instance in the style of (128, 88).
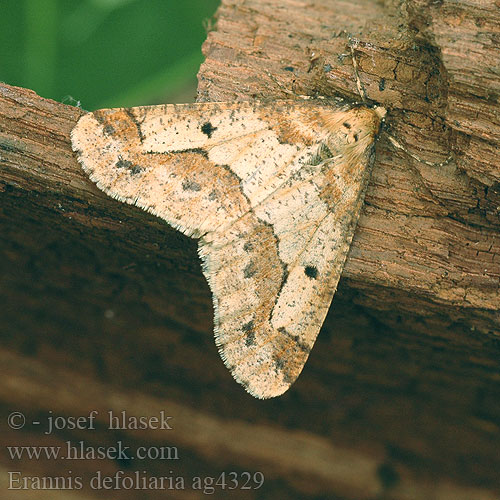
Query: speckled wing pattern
(273, 191)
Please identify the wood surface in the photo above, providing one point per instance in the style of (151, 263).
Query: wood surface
(104, 306)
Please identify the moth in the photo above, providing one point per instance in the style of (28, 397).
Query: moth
(272, 190)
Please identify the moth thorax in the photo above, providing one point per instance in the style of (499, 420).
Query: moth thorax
(363, 123)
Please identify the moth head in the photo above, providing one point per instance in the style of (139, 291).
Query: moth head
(357, 126)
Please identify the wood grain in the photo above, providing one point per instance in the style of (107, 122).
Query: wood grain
(104, 306)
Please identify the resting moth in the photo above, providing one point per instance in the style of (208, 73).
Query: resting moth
(273, 192)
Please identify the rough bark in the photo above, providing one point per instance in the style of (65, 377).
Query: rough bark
(401, 396)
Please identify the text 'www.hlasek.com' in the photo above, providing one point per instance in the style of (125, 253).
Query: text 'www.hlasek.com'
(127, 465)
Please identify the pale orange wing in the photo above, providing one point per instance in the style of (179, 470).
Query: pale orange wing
(274, 193)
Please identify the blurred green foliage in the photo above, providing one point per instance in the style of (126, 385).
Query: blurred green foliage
(104, 53)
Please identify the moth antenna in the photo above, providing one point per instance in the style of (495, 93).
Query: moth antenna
(359, 85)
(399, 146)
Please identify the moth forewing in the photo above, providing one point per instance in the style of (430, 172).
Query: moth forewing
(272, 189)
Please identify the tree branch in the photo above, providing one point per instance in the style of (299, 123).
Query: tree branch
(405, 371)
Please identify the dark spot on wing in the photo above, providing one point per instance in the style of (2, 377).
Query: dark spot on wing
(249, 270)
(212, 195)
(189, 185)
(287, 378)
(356, 137)
(134, 169)
(347, 125)
(289, 68)
(381, 84)
(248, 247)
(311, 272)
(280, 366)
(303, 347)
(248, 328)
(208, 129)
(279, 363)
(109, 129)
(121, 163)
